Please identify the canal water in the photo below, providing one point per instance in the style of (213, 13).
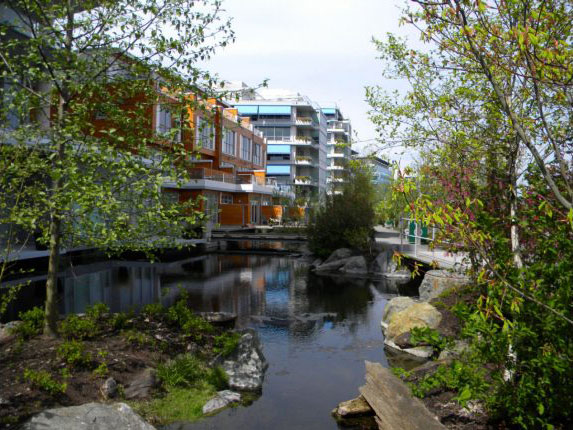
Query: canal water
(316, 332)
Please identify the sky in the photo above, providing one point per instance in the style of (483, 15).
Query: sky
(319, 48)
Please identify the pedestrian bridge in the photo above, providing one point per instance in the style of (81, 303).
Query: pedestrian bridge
(416, 247)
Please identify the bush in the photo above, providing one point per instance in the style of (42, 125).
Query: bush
(226, 343)
(73, 352)
(75, 327)
(32, 323)
(184, 371)
(217, 377)
(153, 310)
(181, 315)
(119, 320)
(344, 220)
(97, 311)
(44, 381)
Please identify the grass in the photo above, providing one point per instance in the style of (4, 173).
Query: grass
(179, 404)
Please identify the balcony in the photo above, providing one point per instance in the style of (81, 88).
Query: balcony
(216, 180)
(335, 180)
(336, 155)
(305, 180)
(304, 121)
(336, 167)
(303, 161)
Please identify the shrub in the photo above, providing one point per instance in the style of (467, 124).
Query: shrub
(138, 338)
(119, 320)
(153, 310)
(226, 343)
(344, 220)
(32, 323)
(181, 315)
(101, 371)
(44, 381)
(184, 371)
(75, 327)
(217, 378)
(73, 352)
(97, 311)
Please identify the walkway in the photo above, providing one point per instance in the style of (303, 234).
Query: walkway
(389, 238)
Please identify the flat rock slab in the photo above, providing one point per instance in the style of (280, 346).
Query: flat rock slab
(393, 403)
(91, 416)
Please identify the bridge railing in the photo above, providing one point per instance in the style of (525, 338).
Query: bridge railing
(422, 240)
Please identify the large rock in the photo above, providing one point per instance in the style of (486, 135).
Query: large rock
(416, 315)
(7, 331)
(382, 263)
(221, 400)
(339, 254)
(246, 366)
(333, 266)
(91, 416)
(438, 281)
(355, 407)
(355, 266)
(141, 385)
(397, 304)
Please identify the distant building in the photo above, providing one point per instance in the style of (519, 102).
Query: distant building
(296, 131)
(381, 169)
(338, 148)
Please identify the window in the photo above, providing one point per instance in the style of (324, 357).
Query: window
(163, 119)
(226, 199)
(205, 134)
(257, 154)
(229, 142)
(276, 133)
(245, 148)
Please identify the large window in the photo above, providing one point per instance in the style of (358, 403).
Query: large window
(205, 134)
(229, 142)
(276, 133)
(257, 154)
(245, 148)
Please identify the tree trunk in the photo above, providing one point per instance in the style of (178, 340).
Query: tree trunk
(51, 306)
(514, 230)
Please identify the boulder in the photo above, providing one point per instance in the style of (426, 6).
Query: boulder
(355, 407)
(355, 266)
(339, 254)
(221, 400)
(246, 366)
(7, 331)
(438, 281)
(333, 266)
(141, 385)
(381, 263)
(416, 315)
(109, 388)
(397, 304)
(404, 274)
(317, 262)
(459, 347)
(90, 416)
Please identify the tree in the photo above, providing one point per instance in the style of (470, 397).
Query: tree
(487, 108)
(345, 219)
(82, 83)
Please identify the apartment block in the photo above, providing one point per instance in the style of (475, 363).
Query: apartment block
(338, 148)
(296, 131)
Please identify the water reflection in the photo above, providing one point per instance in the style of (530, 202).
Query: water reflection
(316, 331)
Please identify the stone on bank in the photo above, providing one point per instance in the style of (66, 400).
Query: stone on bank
(90, 416)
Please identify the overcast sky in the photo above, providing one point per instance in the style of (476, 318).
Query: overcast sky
(319, 48)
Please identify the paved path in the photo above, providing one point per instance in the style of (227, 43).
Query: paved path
(389, 238)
